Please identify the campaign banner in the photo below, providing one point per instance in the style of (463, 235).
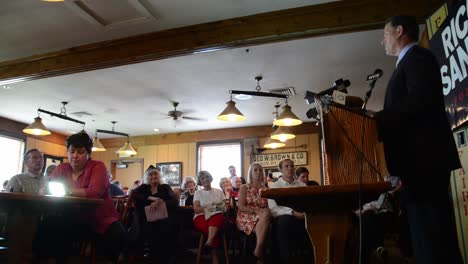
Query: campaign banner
(447, 30)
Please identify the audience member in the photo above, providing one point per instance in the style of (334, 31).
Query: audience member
(208, 199)
(160, 233)
(226, 187)
(232, 174)
(190, 186)
(115, 189)
(125, 189)
(236, 183)
(288, 224)
(5, 183)
(302, 174)
(82, 177)
(376, 216)
(136, 183)
(49, 169)
(32, 180)
(253, 214)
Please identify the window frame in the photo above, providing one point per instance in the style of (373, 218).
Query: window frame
(221, 142)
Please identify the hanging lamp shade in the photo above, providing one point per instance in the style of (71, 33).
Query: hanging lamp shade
(231, 113)
(37, 128)
(127, 149)
(273, 144)
(97, 146)
(287, 118)
(282, 134)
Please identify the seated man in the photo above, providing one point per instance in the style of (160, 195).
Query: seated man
(375, 216)
(302, 174)
(32, 180)
(288, 224)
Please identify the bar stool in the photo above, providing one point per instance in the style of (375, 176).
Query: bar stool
(200, 247)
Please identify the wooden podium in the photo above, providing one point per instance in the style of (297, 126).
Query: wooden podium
(349, 141)
(329, 212)
(350, 152)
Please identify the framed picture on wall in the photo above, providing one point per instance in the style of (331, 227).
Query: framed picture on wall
(51, 160)
(171, 172)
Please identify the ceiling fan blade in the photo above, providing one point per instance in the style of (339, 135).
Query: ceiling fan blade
(194, 118)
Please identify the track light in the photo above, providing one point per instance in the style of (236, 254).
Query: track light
(287, 117)
(126, 149)
(273, 144)
(282, 134)
(231, 113)
(97, 146)
(38, 128)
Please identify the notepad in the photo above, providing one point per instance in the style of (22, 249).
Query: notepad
(156, 214)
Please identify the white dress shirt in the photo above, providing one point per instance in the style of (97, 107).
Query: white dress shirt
(275, 209)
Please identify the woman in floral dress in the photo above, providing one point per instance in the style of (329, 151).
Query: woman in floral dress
(253, 214)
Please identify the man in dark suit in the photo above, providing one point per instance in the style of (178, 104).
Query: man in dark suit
(418, 143)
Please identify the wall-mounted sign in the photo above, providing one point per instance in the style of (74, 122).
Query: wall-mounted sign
(273, 159)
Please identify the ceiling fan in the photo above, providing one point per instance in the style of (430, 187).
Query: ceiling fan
(176, 114)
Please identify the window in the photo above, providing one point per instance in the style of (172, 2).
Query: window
(11, 157)
(217, 157)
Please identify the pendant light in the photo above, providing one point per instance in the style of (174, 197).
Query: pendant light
(127, 149)
(282, 134)
(287, 117)
(97, 146)
(231, 113)
(37, 128)
(273, 144)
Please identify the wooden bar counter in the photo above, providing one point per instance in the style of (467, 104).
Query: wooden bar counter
(328, 213)
(23, 213)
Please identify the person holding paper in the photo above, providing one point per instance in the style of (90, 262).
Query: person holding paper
(156, 203)
(207, 204)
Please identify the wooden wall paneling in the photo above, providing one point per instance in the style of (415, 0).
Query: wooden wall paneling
(192, 160)
(148, 154)
(163, 153)
(183, 156)
(47, 147)
(128, 175)
(314, 158)
(207, 135)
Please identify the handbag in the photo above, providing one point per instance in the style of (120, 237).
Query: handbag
(156, 214)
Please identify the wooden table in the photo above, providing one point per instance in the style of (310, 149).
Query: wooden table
(328, 213)
(24, 210)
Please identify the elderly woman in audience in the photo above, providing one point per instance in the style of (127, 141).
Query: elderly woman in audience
(226, 187)
(159, 233)
(87, 178)
(236, 184)
(190, 186)
(208, 198)
(253, 214)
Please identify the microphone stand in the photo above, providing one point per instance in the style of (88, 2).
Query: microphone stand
(368, 93)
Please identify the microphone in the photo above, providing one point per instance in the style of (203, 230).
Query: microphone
(374, 76)
(339, 85)
(373, 79)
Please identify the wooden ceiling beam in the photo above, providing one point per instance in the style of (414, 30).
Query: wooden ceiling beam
(316, 20)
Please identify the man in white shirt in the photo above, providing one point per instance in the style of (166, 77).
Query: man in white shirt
(32, 180)
(288, 224)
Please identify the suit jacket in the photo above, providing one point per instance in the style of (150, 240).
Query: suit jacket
(413, 124)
